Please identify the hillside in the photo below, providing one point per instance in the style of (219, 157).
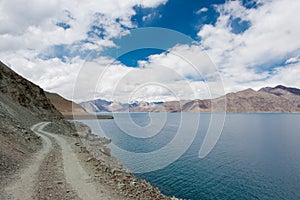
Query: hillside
(22, 104)
(25, 93)
(64, 106)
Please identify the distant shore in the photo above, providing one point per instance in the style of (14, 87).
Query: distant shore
(85, 116)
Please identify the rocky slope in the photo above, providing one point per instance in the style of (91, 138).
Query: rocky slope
(22, 104)
(17, 142)
(277, 99)
(25, 93)
(64, 167)
(291, 94)
(98, 105)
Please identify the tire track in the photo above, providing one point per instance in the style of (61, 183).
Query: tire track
(75, 175)
(23, 187)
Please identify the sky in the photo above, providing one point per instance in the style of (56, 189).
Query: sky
(151, 50)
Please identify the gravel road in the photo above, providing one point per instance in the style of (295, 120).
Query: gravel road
(55, 172)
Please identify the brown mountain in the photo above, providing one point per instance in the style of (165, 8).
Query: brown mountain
(253, 101)
(70, 109)
(278, 99)
(291, 94)
(64, 106)
(244, 101)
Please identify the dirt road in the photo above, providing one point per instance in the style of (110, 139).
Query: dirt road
(55, 172)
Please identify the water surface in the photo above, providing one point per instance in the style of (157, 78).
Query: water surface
(256, 157)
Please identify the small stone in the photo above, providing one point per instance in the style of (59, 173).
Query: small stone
(77, 144)
(90, 159)
(75, 134)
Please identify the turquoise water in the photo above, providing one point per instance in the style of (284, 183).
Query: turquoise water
(256, 157)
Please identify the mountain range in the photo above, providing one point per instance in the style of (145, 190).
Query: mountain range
(70, 109)
(267, 99)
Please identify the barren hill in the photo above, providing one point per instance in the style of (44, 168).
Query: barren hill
(22, 104)
(72, 110)
(291, 94)
(278, 99)
(64, 106)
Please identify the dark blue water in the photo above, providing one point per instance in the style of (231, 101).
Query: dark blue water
(256, 157)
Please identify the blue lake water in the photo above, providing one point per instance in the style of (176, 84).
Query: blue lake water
(256, 157)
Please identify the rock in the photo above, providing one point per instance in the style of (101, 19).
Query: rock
(120, 185)
(77, 144)
(105, 140)
(105, 150)
(82, 134)
(91, 159)
(75, 134)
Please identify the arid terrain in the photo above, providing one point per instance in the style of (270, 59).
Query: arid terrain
(277, 99)
(70, 109)
(42, 156)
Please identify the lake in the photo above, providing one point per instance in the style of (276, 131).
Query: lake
(257, 156)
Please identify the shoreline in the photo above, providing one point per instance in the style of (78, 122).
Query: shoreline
(86, 116)
(94, 153)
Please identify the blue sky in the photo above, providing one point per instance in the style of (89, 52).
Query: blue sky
(247, 43)
(179, 15)
(175, 15)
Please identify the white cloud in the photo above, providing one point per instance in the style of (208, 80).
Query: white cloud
(16, 16)
(30, 28)
(177, 74)
(202, 10)
(293, 60)
(186, 60)
(52, 74)
(113, 81)
(151, 3)
(33, 25)
(288, 75)
(272, 37)
(148, 17)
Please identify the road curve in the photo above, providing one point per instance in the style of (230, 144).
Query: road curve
(76, 177)
(23, 187)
